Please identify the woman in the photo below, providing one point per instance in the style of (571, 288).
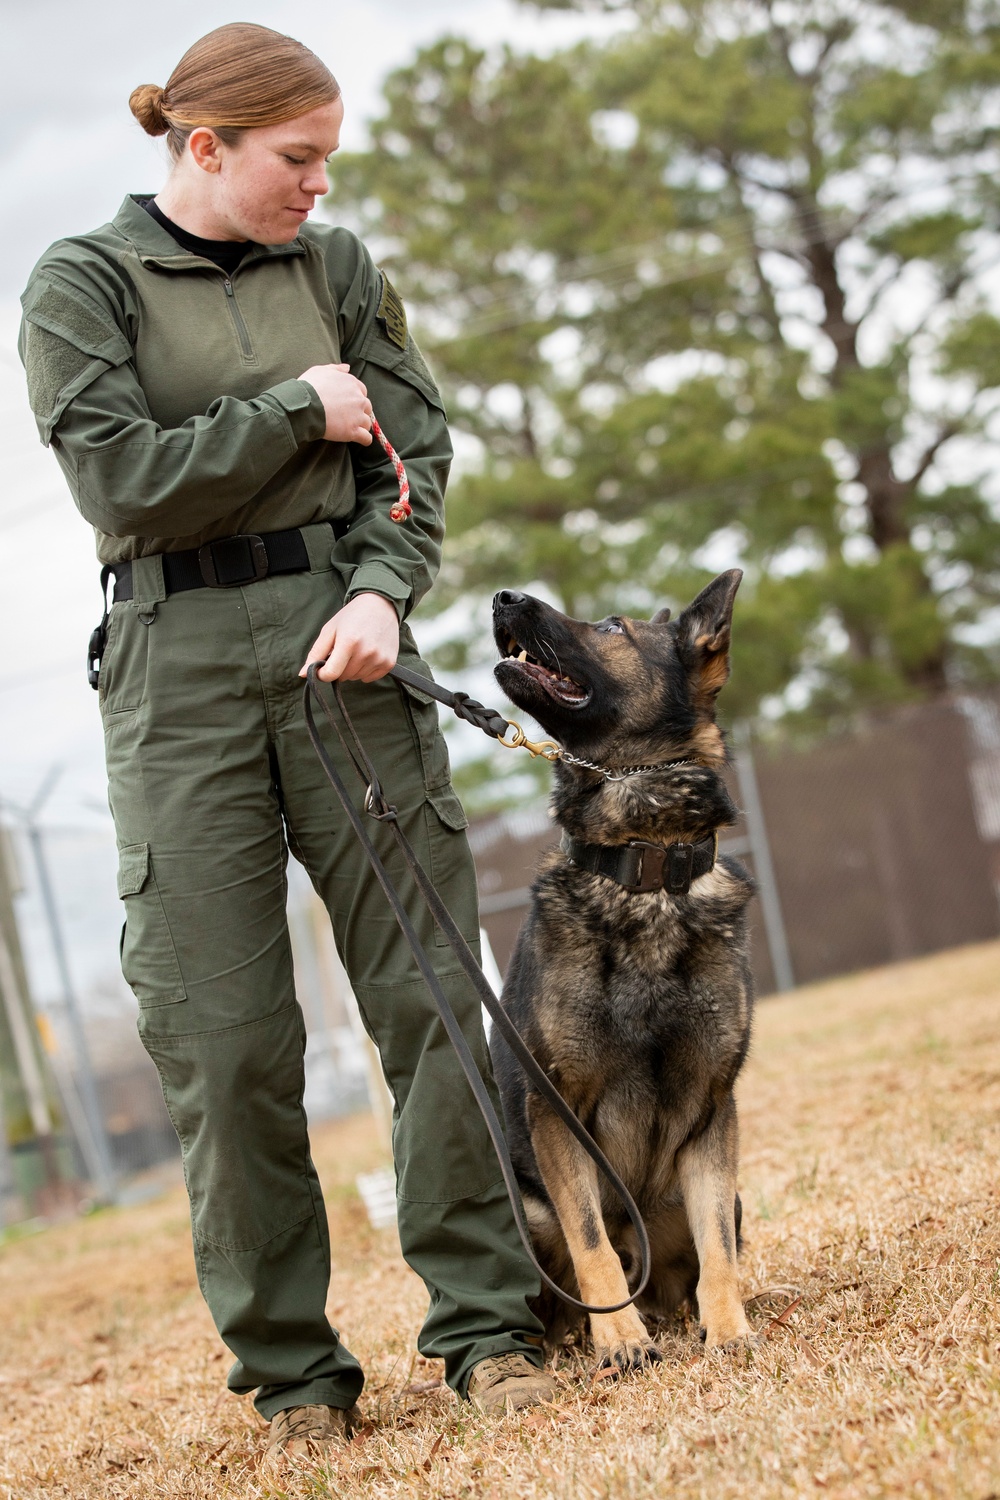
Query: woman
(205, 368)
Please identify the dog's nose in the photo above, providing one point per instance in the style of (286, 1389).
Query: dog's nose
(508, 596)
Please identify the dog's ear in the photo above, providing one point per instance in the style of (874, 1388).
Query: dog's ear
(662, 616)
(704, 630)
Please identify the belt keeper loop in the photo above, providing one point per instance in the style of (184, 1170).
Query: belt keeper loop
(679, 869)
(148, 583)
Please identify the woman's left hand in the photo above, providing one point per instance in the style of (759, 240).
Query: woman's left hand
(360, 643)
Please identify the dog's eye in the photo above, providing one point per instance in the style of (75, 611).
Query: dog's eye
(611, 627)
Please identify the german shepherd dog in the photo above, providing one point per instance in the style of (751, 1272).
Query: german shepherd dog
(637, 1002)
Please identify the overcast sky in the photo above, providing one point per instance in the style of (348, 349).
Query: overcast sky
(69, 152)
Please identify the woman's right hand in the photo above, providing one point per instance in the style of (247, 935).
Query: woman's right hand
(345, 401)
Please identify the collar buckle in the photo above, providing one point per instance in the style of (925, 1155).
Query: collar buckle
(662, 867)
(649, 868)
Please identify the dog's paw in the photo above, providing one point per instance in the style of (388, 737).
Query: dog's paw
(632, 1354)
(729, 1337)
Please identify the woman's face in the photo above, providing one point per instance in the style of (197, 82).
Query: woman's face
(265, 187)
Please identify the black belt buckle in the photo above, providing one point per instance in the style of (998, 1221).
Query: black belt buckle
(247, 549)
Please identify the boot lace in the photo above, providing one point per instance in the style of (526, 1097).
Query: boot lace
(301, 1422)
(510, 1366)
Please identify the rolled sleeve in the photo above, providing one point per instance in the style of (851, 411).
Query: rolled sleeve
(376, 578)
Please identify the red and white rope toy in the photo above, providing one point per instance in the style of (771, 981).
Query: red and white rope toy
(402, 508)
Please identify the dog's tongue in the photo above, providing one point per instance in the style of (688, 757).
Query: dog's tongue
(562, 687)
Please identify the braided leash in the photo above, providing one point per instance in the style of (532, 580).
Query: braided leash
(402, 508)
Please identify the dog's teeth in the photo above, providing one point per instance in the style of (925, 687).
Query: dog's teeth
(523, 656)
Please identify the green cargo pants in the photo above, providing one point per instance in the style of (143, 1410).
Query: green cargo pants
(212, 778)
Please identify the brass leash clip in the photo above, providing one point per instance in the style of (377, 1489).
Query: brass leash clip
(548, 749)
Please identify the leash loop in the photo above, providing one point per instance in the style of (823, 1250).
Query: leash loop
(456, 941)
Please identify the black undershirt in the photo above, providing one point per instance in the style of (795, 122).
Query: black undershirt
(226, 254)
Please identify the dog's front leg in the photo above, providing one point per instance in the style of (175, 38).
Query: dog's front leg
(570, 1177)
(707, 1169)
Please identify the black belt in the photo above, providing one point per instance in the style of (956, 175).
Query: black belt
(642, 867)
(224, 564)
(227, 563)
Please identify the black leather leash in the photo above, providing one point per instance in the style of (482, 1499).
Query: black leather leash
(489, 720)
(376, 806)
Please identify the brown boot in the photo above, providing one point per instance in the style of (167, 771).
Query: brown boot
(506, 1382)
(306, 1432)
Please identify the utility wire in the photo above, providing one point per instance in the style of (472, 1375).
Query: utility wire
(499, 311)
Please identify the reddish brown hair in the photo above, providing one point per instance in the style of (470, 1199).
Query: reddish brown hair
(236, 77)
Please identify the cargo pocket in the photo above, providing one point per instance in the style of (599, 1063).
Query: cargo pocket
(149, 958)
(121, 685)
(451, 866)
(447, 804)
(114, 619)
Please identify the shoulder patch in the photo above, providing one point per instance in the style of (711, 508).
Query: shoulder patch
(392, 312)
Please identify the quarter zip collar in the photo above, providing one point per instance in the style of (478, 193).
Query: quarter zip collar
(156, 247)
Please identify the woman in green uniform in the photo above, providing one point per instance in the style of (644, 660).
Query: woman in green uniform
(206, 367)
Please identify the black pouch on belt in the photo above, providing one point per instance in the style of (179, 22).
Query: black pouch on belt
(98, 636)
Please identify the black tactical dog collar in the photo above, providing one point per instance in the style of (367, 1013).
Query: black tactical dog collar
(641, 867)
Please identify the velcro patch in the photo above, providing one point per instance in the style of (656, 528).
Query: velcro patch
(52, 364)
(67, 341)
(392, 312)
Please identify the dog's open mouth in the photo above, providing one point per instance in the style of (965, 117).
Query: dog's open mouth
(558, 686)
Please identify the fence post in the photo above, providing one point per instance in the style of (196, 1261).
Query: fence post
(6, 1173)
(336, 983)
(767, 886)
(29, 1067)
(91, 1131)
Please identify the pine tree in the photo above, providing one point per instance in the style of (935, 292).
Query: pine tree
(717, 290)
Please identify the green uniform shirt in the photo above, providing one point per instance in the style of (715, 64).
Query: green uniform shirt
(168, 392)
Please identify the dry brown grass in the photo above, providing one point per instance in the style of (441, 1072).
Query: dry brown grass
(870, 1150)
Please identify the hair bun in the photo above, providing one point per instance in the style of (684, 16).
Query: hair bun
(146, 103)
